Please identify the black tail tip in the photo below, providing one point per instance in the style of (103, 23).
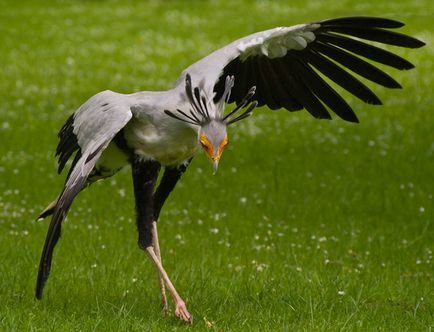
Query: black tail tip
(40, 283)
(38, 294)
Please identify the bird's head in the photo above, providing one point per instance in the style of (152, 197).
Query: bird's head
(210, 117)
(213, 138)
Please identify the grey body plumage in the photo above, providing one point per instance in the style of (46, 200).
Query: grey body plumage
(277, 68)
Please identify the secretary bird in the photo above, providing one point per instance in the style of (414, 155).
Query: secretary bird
(280, 68)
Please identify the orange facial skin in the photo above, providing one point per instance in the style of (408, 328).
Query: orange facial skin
(222, 145)
(209, 149)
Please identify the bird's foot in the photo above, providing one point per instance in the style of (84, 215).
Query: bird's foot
(182, 312)
(165, 308)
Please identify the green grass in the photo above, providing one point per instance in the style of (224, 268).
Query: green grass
(308, 225)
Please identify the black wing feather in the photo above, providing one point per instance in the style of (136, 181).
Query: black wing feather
(378, 35)
(292, 81)
(368, 51)
(241, 86)
(362, 22)
(291, 74)
(324, 92)
(341, 77)
(67, 143)
(284, 98)
(356, 65)
(255, 78)
(266, 84)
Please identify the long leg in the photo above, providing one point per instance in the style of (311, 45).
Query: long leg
(180, 308)
(145, 174)
(156, 245)
(167, 184)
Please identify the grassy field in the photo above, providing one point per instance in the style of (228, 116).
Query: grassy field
(308, 225)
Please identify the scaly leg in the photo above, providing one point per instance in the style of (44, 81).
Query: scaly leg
(156, 246)
(180, 308)
(167, 184)
(145, 174)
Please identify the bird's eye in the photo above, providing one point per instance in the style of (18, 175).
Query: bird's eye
(203, 140)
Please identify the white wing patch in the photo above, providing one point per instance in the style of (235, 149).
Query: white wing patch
(277, 42)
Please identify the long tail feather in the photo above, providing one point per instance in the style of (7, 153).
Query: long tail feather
(53, 236)
(74, 185)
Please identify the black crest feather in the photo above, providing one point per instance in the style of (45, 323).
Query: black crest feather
(199, 112)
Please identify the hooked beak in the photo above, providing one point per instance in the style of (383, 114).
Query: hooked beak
(215, 165)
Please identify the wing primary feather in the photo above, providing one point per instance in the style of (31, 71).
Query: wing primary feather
(249, 80)
(64, 157)
(368, 51)
(363, 22)
(265, 83)
(68, 143)
(294, 102)
(240, 83)
(378, 35)
(325, 93)
(356, 65)
(300, 91)
(284, 98)
(341, 77)
(255, 79)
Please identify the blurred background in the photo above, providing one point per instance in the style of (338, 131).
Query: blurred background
(308, 224)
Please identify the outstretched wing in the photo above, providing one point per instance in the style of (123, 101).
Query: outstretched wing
(285, 64)
(89, 131)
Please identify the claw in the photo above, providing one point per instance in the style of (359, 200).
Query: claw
(182, 312)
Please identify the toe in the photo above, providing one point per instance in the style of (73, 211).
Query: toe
(182, 313)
